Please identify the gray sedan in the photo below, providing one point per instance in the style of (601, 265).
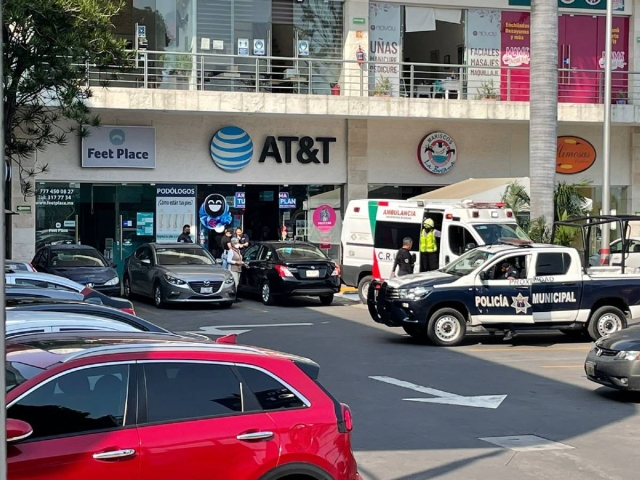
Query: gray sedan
(177, 273)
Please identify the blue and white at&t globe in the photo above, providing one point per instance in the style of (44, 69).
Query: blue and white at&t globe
(231, 149)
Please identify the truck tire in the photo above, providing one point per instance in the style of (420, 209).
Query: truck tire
(363, 288)
(416, 331)
(446, 327)
(606, 320)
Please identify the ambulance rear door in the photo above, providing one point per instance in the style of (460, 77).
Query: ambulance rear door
(393, 223)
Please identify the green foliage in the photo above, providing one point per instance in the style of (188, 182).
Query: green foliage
(178, 64)
(569, 202)
(383, 86)
(539, 231)
(47, 44)
(487, 90)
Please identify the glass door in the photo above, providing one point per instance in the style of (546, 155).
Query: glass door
(135, 220)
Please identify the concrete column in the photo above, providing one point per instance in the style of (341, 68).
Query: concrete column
(357, 159)
(354, 79)
(23, 225)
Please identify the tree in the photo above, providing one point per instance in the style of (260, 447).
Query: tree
(543, 120)
(47, 44)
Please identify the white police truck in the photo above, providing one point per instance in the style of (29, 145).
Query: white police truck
(547, 288)
(372, 233)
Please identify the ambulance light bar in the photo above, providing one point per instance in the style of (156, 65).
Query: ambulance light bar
(472, 204)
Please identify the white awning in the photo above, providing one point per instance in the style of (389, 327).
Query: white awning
(475, 189)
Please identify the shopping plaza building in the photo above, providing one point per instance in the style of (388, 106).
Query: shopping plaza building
(260, 113)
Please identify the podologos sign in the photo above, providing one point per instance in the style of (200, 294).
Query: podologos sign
(437, 153)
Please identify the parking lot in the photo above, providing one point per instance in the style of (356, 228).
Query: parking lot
(463, 401)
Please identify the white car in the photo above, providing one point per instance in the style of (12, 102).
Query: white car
(31, 322)
(14, 265)
(632, 259)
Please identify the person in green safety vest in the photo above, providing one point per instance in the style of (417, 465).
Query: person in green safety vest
(429, 257)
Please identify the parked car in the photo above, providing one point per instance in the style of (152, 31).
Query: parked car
(54, 282)
(14, 265)
(177, 273)
(196, 406)
(277, 269)
(70, 309)
(632, 254)
(26, 322)
(81, 263)
(614, 360)
(26, 292)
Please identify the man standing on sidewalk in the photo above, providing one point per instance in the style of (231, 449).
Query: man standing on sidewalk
(404, 259)
(429, 258)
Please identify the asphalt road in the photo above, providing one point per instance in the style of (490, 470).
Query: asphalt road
(547, 395)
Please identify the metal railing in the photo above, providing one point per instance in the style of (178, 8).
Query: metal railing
(233, 73)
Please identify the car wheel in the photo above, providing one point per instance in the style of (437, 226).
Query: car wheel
(126, 285)
(265, 293)
(605, 321)
(363, 288)
(326, 300)
(158, 296)
(416, 331)
(446, 327)
(226, 304)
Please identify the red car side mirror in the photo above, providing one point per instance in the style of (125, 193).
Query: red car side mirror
(17, 430)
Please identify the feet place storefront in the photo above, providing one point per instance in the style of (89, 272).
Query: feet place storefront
(129, 184)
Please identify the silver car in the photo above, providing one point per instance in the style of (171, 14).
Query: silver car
(177, 272)
(26, 322)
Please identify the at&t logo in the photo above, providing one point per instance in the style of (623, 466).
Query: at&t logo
(437, 153)
(231, 149)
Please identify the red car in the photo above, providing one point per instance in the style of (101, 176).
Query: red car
(114, 405)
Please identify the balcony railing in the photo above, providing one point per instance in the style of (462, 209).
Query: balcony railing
(233, 73)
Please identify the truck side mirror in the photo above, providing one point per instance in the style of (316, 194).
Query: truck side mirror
(469, 246)
(483, 276)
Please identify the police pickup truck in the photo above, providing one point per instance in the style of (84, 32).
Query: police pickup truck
(544, 287)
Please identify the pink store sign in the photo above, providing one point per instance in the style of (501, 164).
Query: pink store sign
(324, 218)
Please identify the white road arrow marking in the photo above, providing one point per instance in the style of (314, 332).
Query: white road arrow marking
(482, 401)
(244, 328)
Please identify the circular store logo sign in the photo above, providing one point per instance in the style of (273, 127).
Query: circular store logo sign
(231, 149)
(116, 137)
(437, 153)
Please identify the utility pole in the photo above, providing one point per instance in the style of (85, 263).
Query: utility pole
(3, 240)
(606, 139)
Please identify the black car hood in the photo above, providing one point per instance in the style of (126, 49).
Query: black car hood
(423, 279)
(86, 275)
(627, 339)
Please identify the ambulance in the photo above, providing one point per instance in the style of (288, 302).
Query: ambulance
(372, 233)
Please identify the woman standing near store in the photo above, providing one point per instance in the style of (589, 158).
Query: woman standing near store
(234, 260)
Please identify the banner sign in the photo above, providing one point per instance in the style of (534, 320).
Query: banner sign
(384, 46)
(285, 201)
(175, 207)
(618, 5)
(483, 52)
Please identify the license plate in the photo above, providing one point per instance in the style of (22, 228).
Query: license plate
(206, 290)
(313, 273)
(590, 368)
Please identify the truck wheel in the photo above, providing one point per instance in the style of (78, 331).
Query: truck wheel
(446, 327)
(416, 331)
(606, 320)
(363, 288)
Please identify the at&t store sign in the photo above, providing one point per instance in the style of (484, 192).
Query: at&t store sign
(437, 153)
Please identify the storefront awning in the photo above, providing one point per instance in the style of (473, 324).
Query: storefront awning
(476, 189)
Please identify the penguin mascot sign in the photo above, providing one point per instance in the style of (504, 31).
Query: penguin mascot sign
(214, 213)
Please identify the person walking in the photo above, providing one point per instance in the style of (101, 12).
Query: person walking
(225, 244)
(404, 261)
(185, 236)
(234, 260)
(429, 246)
